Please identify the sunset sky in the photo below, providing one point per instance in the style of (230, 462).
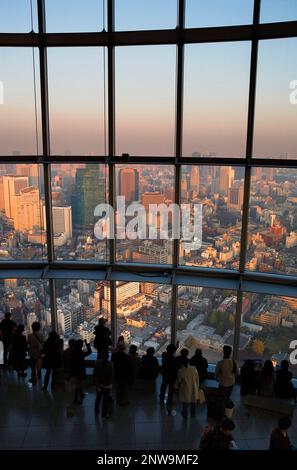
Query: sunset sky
(216, 83)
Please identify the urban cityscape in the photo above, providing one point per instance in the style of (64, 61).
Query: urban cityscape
(205, 316)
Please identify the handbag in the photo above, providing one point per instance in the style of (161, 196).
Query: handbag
(200, 396)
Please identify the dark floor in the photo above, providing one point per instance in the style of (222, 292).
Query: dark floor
(32, 419)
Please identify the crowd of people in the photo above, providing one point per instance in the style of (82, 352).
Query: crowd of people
(124, 370)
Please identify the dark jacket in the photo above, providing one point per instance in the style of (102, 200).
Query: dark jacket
(19, 347)
(52, 354)
(169, 367)
(149, 368)
(201, 365)
(278, 441)
(122, 367)
(215, 439)
(283, 386)
(7, 328)
(102, 339)
(78, 362)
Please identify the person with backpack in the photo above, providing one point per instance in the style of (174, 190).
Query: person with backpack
(218, 437)
(226, 372)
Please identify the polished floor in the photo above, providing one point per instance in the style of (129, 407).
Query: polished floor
(32, 419)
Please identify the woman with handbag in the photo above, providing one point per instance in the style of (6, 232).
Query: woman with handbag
(187, 386)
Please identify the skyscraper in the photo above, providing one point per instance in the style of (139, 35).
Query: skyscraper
(27, 210)
(235, 197)
(226, 179)
(89, 192)
(12, 186)
(129, 184)
(62, 220)
(194, 178)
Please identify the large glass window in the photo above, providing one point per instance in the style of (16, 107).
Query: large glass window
(67, 16)
(16, 16)
(76, 192)
(144, 217)
(134, 15)
(145, 100)
(278, 10)
(275, 133)
(213, 198)
(205, 320)
(272, 231)
(22, 212)
(270, 323)
(201, 14)
(216, 89)
(28, 301)
(77, 103)
(144, 314)
(20, 127)
(80, 304)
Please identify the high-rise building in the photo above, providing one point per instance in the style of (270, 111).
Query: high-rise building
(12, 186)
(235, 197)
(27, 211)
(226, 179)
(129, 184)
(155, 197)
(194, 178)
(89, 192)
(62, 220)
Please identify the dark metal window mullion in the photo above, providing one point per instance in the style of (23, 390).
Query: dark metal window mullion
(46, 155)
(111, 165)
(177, 166)
(248, 171)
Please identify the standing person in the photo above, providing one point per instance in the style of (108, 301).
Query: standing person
(187, 386)
(150, 365)
(102, 339)
(52, 359)
(226, 372)
(67, 359)
(78, 369)
(279, 439)
(103, 372)
(200, 363)
(135, 363)
(284, 387)
(122, 374)
(35, 341)
(267, 379)
(169, 375)
(7, 329)
(248, 378)
(183, 355)
(19, 347)
(219, 437)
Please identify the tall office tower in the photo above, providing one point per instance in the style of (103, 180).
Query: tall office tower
(129, 184)
(62, 220)
(124, 291)
(12, 186)
(194, 178)
(235, 197)
(27, 210)
(226, 179)
(152, 198)
(2, 203)
(32, 170)
(89, 192)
